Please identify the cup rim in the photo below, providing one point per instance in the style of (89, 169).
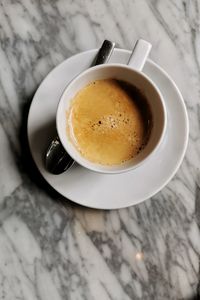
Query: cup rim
(93, 166)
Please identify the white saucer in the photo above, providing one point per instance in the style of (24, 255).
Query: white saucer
(108, 191)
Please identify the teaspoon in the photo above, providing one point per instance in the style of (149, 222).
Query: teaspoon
(57, 160)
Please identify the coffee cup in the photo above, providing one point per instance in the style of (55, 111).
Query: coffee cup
(130, 74)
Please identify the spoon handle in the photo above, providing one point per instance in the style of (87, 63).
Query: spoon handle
(57, 160)
(104, 53)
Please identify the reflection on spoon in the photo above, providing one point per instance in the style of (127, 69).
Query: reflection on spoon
(57, 159)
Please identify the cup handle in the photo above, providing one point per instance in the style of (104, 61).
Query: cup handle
(139, 54)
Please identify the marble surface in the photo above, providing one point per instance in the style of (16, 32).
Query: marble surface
(51, 248)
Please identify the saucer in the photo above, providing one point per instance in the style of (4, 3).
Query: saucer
(105, 191)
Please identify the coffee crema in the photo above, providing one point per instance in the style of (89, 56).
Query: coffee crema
(109, 121)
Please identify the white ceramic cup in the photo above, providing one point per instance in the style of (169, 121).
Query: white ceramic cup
(131, 73)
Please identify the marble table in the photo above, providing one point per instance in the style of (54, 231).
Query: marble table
(51, 248)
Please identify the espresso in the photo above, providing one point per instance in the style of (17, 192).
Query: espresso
(109, 121)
